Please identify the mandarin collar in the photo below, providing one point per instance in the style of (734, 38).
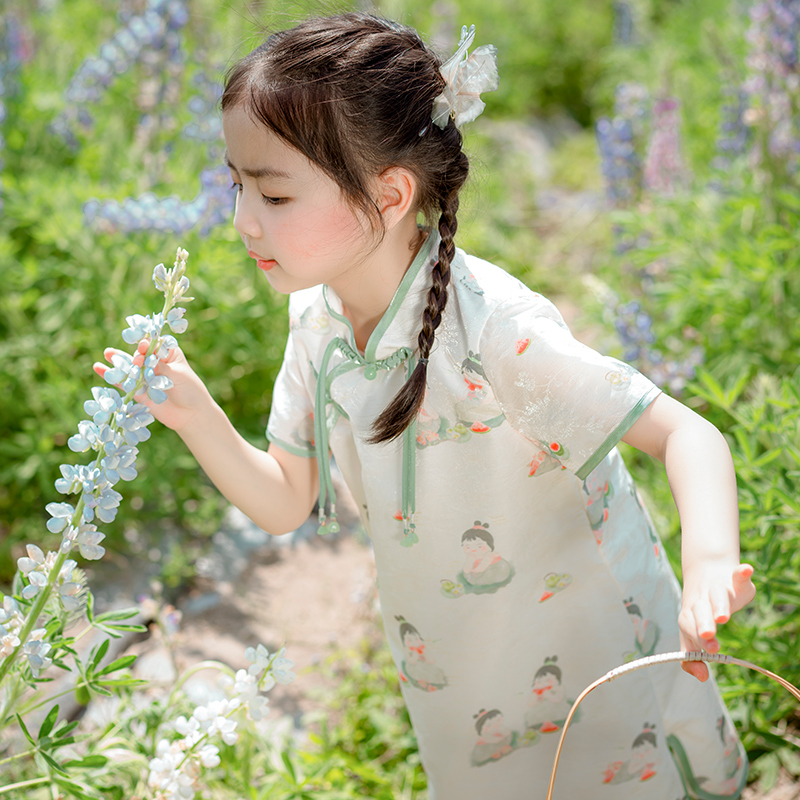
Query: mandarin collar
(401, 322)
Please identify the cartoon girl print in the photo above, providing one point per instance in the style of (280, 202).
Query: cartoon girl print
(495, 738)
(555, 583)
(417, 667)
(484, 571)
(598, 491)
(548, 706)
(478, 410)
(646, 631)
(642, 763)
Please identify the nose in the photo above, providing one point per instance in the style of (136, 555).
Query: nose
(244, 220)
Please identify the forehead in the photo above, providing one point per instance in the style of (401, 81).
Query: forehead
(254, 151)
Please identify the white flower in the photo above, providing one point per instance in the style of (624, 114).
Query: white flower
(213, 719)
(281, 668)
(9, 641)
(257, 707)
(259, 656)
(209, 756)
(245, 685)
(34, 560)
(36, 652)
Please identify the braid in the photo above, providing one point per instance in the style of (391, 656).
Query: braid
(406, 404)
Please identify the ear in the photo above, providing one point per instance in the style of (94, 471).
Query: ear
(395, 196)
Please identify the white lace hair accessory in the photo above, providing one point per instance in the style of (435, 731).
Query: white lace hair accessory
(465, 78)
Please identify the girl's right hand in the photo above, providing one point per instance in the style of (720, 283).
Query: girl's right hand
(185, 400)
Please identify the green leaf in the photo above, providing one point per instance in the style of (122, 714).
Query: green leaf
(287, 762)
(90, 606)
(48, 722)
(77, 790)
(24, 730)
(120, 663)
(88, 762)
(98, 654)
(53, 763)
(122, 613)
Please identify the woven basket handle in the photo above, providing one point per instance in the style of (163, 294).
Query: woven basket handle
(663, 658)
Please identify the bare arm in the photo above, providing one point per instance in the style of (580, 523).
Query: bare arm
(703, 483)
(275, 489)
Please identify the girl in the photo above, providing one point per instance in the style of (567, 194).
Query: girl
(340, 134)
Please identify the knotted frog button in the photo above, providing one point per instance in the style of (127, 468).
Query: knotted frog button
(370, 371)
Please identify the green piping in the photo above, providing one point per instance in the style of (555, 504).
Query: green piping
(409, 474)
(690, 784)
(398, 299)
(290, 448)
(616, 435)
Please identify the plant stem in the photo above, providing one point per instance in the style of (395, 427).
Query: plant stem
(18, 755)
(23, 784)
(33, 615)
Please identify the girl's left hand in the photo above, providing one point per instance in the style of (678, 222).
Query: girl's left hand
(711, 593)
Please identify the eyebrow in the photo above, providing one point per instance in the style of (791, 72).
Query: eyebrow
(261, 172)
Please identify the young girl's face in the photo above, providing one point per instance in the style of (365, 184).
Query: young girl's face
(475, 547)
(293, 219)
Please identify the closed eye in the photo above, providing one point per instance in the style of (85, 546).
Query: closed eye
(273, 201)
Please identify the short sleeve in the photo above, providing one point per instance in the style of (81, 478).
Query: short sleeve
(291, 418)
(574, 402)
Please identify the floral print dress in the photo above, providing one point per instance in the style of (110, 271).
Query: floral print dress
(516, 563)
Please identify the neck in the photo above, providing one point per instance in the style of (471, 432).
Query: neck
(367, 296)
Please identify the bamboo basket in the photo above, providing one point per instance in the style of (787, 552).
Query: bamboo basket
(663, 658)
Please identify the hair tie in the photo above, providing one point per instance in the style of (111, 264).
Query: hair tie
(465, 77)
(422, 361)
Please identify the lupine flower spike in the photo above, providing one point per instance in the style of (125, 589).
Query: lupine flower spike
(117, 424)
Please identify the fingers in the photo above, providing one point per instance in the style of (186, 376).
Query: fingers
(696, 669)
(743, 588)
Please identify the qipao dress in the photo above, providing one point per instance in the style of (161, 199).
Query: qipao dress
(511, 546)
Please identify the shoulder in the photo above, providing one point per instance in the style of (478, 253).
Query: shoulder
(498, 298)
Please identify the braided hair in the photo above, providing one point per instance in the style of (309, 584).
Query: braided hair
(354, 94)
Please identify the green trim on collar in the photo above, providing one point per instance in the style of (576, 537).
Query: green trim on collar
(399, 297)
(397, 301)
(616, 435)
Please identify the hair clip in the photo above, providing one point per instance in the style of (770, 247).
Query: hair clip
(465, 77)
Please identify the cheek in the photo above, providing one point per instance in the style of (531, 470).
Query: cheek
(321, 232)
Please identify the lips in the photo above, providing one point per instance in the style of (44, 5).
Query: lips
(262, 263)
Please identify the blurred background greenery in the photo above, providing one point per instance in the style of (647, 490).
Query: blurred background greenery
(695, 280)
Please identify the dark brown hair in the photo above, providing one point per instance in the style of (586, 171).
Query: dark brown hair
(354, 94)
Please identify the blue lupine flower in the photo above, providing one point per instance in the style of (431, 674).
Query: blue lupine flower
(141, 327)
(132, 421)
(124, 373)
(105, 504)
(36, 652)
(118, 463)
(87, 437)
(88, 541)
(176, 321)
(61, 513)
(106, 402)
(167, 343)
(77, 479)
(620, 162)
